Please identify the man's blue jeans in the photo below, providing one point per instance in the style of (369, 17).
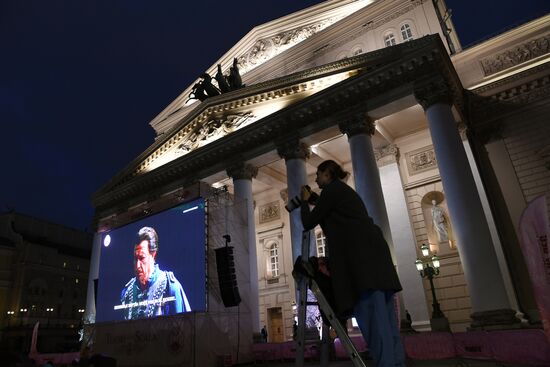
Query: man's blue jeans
(375, 315)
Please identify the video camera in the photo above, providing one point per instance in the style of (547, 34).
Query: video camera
(296, 201)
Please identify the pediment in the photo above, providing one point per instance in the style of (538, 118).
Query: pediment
(266, 41)
(258, 119)
(222, 117)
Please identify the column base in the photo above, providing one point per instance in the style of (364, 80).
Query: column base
(495, 320)
(440, 324)
(406, 327)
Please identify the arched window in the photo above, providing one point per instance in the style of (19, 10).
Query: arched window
(274, 260)
(389, 39)
(406, 33)
(320, 241)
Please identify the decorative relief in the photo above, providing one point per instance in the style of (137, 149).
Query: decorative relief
(386, 155)
(212, 130)
(432, 92)
(267, 48)
(421, 160)
(293, 149)
(270, 211)
(516, 55)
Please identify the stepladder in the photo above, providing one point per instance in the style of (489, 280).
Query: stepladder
(304, 274)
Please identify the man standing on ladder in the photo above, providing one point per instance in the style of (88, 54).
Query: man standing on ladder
(362, 272)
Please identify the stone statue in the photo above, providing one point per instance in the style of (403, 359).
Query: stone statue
(440, 222)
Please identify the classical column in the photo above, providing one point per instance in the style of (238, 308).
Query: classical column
(403, 237)
(90, 312)
(359, 129)
(242, 175)
(489, 300)
(295, 155)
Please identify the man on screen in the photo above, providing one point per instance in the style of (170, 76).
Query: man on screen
(152, 292)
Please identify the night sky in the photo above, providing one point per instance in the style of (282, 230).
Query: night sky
(81, 80)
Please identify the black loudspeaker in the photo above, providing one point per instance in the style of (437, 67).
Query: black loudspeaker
(227, 277)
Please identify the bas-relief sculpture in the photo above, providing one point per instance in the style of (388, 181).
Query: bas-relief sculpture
(269, 212)
(212, 130)
(516, 55)
(421, 160)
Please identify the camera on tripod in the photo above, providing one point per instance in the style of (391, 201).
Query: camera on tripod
(296, 201)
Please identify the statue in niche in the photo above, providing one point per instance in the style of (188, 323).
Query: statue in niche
(440, 223)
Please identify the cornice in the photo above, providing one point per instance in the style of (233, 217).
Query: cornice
(507, 38)
(484, 110)
(424, 58)
(368, 20)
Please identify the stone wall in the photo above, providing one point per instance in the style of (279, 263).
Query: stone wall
(527, 140)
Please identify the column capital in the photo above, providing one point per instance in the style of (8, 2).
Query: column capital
(293, 149)
(431, 92)
(242, 171)
(357, 124)
(388, 154)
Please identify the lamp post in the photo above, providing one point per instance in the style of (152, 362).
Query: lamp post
(49, 310)
(429, 269)
(22, 313)
(10, 316)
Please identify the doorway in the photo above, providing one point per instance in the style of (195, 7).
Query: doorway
(275, 328)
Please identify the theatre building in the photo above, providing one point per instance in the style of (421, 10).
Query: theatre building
(446, 146)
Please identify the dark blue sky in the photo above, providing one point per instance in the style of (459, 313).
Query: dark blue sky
(81, 80)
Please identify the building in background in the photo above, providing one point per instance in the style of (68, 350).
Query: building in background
(446, 146)
(43, 278)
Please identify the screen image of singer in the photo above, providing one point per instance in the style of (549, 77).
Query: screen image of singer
(154, 266)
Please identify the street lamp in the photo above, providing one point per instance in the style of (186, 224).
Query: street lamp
(49, 310)
(10, 314)
(22, 313)
(428, 269)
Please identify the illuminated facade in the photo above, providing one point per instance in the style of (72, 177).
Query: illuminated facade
(428, 131)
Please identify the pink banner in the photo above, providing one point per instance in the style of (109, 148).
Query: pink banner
(533, 227)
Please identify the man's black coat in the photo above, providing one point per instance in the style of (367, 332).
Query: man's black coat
(359, 257)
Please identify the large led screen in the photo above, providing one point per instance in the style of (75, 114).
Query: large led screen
(154, 266)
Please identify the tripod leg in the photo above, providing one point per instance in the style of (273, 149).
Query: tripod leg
(302, 305)
(342, 334)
